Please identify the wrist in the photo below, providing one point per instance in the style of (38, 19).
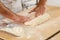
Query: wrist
(16, 17)
(13, 17)
(39, 5)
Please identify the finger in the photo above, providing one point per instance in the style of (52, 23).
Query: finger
(43, 10)
(27, 19)
(39, 13)
(33, 10)
(36, 14)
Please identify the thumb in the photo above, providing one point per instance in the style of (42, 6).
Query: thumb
(31, 11)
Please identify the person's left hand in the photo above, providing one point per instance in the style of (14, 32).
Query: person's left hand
(39, 10)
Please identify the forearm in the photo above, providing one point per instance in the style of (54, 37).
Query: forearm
(42, 2)
(6, 12)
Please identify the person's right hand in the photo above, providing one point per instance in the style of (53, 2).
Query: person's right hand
(11, 15)
(20, 19)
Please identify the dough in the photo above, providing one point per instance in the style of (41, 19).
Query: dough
(40, 19)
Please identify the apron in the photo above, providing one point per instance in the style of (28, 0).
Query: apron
(17, 5)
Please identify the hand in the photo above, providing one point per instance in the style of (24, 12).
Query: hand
(9, 14)
(21, 19)
(39, 10)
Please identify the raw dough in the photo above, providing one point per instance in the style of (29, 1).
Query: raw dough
(40, 19)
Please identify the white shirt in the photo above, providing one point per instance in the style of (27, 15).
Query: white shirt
(16, 5)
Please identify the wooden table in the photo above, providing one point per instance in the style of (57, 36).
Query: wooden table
(46, 31)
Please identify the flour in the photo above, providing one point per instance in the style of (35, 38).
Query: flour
(22, 31)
